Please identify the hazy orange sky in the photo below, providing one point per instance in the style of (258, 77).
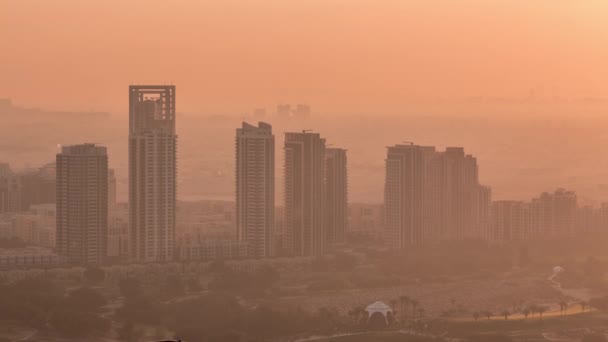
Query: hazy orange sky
(340, 56)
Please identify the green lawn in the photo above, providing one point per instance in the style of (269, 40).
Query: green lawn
(376, 337)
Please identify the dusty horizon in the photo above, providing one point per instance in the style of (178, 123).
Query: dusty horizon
(340, 57)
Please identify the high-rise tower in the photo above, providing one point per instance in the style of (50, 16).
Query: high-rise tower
(152, 172)
(304, 193)
(336, 194)
(404, 193)
(82, 204)
(255, 188)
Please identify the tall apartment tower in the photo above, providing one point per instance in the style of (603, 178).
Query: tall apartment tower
(336, 194)
(82, 204)
(404, 192)
(255, 188)
(465, 185)
(304, 193)
(152, 172)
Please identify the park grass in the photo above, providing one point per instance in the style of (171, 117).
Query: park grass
(575, 309)
(588, 319)
(384, 336)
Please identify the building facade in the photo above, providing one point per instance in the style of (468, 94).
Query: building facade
(305, 194)
(404, 192)
(336, 194)
(255, 188)
(152, 172)
(82, 204)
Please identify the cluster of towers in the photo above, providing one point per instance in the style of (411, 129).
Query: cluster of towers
(315, 188)
(432, 195)
(82, 185)
(315, 192)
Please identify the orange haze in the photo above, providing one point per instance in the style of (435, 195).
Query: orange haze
(341, 56)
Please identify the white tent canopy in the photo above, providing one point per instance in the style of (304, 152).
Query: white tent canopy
(379, 307)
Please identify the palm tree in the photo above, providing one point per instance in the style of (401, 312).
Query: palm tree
(393, 303)
(356, 313)
(405, 301)
(506, 313)
(421, 312)
(526, 311)
(541, 310)
(565, 306)
(533, 309)
(561, 304)
(414, 305)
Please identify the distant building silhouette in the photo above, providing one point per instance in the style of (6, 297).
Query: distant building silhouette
(554, 214)
(255, 188)
(259, 113)
(548, 216)
(38, 186)
(404, 191)
(111, 188)
(465, 184)
(510, 221)
(304, 193)
(431, 195)
(336, 198)
(10, 190)
(152, 172)
(300, 111)
(284, 111)
(82, 204)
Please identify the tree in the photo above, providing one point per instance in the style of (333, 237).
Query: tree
(194, 285)
(562, 306)
(421, 312)
(541, 310)
(130, 287)
(78, 324)
(476, 315)
(357, 313)
(129, 333)
(85, 299)
(94, 275)
(526, 311)
(174, 286)
(488, 314)
(489, 338)
(506, 314)
(414, 304)
(584, 305)
(594, 338)
(405, 301)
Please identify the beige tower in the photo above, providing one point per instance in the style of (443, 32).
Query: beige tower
(404, 193)
(304, 193)
(152, 172)
(336, 194)
(255, 188)
(82, 204)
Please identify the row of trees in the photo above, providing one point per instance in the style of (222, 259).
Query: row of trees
(41, 304)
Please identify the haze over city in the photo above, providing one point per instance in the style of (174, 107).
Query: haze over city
(331, 171)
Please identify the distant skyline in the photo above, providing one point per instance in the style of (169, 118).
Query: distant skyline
(338, 56)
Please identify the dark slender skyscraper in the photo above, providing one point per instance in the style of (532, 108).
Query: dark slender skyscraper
(304, 193)
(82, 204)
(336, 190)
(255, 188)
(152, 172)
